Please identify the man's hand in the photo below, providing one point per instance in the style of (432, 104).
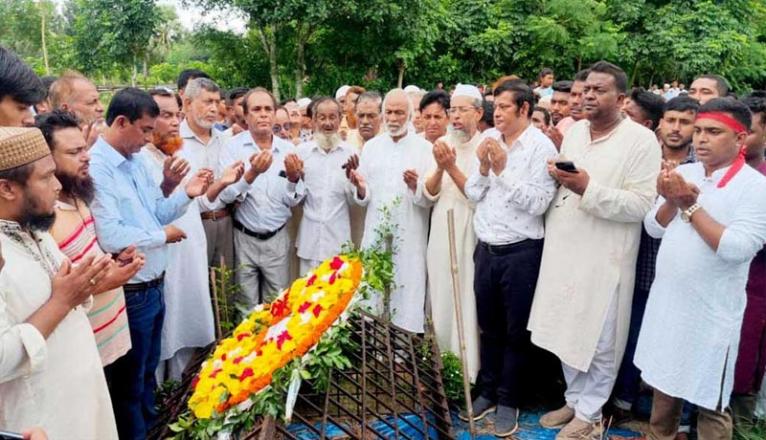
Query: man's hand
(73, 284)
(174, 169)
(446, 157)
(173, 234)
(679, 192)
(351, 164)
(259, 163)
(121, 270)
(485, 163)
(293, 167)
(499, 157)
(233, 173)
(555, 136)
(199, 183)
(552, 169)
(411, 179)
(358, 181)
(92, 131)
(575, 182)
(34, 434)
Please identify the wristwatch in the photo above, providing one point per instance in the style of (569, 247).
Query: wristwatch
(686, 215)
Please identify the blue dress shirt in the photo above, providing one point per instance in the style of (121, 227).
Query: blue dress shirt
(130, 209)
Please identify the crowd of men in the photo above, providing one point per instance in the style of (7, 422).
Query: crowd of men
(620, 230)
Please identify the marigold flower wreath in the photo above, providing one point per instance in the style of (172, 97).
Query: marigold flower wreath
(273, 335)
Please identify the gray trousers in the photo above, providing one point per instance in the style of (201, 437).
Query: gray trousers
(263, 266)
(220, 241)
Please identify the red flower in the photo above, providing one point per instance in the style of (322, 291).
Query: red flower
(237, 360)
(248, 372)
(311, 280)
(223, 357)
(242, 336)
(279, 307)
(333, 277)
(215, 373)
(304, 307)
(317, 310)
(336, 264)
(284, 336)
(195, 381)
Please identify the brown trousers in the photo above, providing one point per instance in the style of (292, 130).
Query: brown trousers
(666, 416)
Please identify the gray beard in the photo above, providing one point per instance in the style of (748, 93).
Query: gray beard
(327, 142)
(459, 135)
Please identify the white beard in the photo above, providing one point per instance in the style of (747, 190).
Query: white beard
(396, 133)
(327, 141)
(460, 136)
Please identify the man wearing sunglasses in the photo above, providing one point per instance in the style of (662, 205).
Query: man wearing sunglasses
(282, 126)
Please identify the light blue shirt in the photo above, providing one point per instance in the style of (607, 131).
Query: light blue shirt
(130, 209)
(265, 204)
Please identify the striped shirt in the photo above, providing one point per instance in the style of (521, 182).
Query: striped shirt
(75, 235)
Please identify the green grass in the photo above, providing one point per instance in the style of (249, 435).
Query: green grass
(754, 432)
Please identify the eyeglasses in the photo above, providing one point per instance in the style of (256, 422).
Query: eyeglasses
(276, 128)
(453, 110)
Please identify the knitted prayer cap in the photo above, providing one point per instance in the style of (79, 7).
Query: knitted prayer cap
(20, 146)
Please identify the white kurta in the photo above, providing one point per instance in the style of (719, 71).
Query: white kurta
(438, 260)
(57, 384)
(383, 164)
(188, 310)
(591, 242)
(325, 225)
(690, 333)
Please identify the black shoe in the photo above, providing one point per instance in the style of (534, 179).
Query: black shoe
(481, 407)
(506, 421)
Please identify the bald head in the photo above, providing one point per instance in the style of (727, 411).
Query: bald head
(76, 93)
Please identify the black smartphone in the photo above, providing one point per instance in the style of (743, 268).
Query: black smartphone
(6, 435)
(567, 165)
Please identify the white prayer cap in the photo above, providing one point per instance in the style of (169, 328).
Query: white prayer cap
(304, 102)
(412, 89)
(341, 92)
(467, 90)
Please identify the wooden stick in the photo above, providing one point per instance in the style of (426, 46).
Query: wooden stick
(216, 311)
(459, 318)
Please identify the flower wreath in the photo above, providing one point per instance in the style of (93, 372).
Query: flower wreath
(273, 335)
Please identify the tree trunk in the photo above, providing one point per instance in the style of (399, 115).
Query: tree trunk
(42, 39)
(267, 36)
(134, 71)
(146, 66)
(304, 33)
(400, 81)
(634, 73)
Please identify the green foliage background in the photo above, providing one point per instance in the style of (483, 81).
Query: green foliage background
(311, 46)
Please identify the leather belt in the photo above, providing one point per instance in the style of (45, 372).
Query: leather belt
(137, 287)
(215, 215)
(503, 249)
(260, 236)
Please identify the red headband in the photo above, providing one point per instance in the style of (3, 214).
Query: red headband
(725, 119)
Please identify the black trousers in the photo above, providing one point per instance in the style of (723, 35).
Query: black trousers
(504, 284)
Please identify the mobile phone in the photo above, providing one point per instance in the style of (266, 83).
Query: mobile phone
(567, 166)
(7, 435)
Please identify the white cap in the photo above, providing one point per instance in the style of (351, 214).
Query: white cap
(467, 90)
(412, 89)
(341, 92)
(304, 102)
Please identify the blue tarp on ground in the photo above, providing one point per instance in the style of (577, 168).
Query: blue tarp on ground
(410, 426)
